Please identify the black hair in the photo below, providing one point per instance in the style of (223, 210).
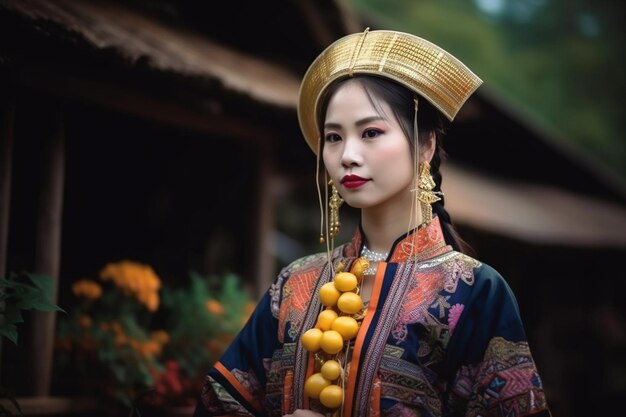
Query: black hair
(430, 123)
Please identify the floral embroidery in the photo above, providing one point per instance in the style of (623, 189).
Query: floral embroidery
(296, 293)
(460, 268)
(454, 315)
(421, 293)
(424, 293)
(275, 292)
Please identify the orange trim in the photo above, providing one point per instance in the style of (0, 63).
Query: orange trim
(375, 402)
(358, 344)
(288, 392)
(237, 385)
(310, 369)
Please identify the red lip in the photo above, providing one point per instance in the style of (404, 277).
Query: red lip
(353, 181)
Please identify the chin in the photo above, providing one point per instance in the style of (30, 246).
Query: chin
(358, 203)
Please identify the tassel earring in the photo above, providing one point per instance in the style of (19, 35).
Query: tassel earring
(334, 204)
(426, 195)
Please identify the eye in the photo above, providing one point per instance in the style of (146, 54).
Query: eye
(332, 138)
(371, 133)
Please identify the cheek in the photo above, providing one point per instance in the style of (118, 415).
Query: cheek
(327, 159)
(396, 159)
(330, 162)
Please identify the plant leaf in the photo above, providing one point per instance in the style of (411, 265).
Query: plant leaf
(9, 331)
(24, 291)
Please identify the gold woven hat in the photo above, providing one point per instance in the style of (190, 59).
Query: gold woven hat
(408, 59)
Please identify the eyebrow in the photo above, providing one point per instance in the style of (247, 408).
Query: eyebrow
(361, 122)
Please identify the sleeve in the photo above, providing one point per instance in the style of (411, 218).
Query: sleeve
(234, 385)
(489, 362)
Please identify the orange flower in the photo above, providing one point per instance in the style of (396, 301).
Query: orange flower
(149, 349)
(151, 301)
(135, 344)
(136, 279)
(87, 289)
(121, 339)
(214, 307)
(85, 321)
(116, 326)
(160, 336)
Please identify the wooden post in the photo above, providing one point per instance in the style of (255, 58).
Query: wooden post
(48, 259)
(7, 117)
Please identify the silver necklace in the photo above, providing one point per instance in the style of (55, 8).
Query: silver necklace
(373, 256)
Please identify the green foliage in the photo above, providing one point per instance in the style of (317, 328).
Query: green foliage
(23, 292)
(20, 292)
(202, 318)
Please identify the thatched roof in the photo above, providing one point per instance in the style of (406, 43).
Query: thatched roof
(163, 47)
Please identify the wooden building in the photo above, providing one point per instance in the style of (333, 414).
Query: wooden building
(166, 131)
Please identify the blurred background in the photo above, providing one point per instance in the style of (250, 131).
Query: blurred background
(157, 142)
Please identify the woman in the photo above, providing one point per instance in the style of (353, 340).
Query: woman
(398, 321)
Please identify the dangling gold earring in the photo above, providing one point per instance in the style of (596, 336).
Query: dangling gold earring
(334, 204)
(426, 196)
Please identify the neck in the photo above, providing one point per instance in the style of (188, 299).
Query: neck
(383, 230)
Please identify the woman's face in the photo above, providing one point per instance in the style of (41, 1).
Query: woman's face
(366, 152)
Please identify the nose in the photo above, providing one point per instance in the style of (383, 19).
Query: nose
(351, 155)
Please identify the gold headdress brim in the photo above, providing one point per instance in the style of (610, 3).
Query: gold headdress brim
(408, 59)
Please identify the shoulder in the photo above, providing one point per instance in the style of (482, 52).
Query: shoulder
(314, 262)
(304, 263)
(487, 275)
(298, 277)
(458, 267)
(490, 284)
(483, 273)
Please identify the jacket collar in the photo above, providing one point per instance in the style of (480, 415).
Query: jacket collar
(419, 244)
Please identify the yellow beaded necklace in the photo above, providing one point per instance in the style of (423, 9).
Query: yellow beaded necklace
(337, 325)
